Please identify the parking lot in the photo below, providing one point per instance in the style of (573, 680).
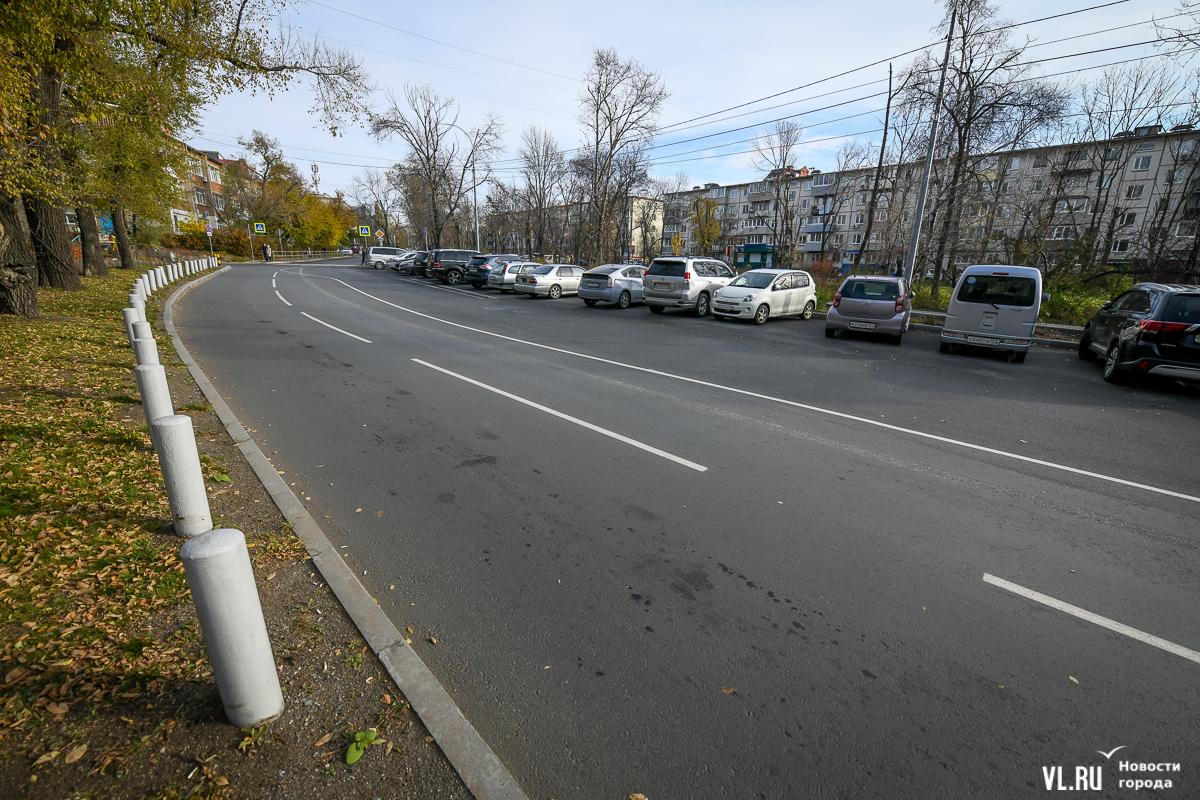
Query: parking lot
(667, 554)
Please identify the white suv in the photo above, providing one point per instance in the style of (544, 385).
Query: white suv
(684, 282)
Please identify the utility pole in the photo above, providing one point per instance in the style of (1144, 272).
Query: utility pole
(910, 261)
(475, 202)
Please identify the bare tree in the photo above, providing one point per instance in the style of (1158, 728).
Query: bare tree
(619, 111)
(376, 193)
(775, 154)
(543, 168)
(831, 206)
(445, 161)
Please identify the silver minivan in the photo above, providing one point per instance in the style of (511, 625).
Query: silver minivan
(994, 307)
(684, 282)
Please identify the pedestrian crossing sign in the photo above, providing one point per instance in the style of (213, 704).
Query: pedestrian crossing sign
(364, 230)
(260, 227)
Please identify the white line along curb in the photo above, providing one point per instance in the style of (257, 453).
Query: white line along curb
(483, 773)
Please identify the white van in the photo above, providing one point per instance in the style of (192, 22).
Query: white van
(995, 307)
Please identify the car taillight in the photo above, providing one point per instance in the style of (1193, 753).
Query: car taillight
(610, 282)
(437, 263)
(900, 304)
(1157, 326)
(837, 299)
(533, 280)
(687, 276)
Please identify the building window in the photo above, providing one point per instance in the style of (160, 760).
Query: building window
(1134, 192)
(213, 175)
(1038, 184)
(1166, 204)
(1186, 229)
(841, 219)
(1073, 182)
(859, 219)
(881, 216)
(1146, 146)
(1141, 163)
(1120, 246)
(856, 238)
(1013, 163)
(1040, 161)
(219, 201)
(1006, 187)
(804, 204)
(1127, 219)
(1176, 176)
(1065, 232)
(975, 233)
(199, 195)
(1063, 206)
(1104, 182)
(1112, 153)
(824, 180)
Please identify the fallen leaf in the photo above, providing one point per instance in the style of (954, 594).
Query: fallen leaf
(358, 511)
(637, 796)
(432, 640)
(410, 630)
(58, 708)
(387, 699)
(380, 514)
(323, 740)
(388, 752)
(272, 575)
(728, 689)
(1073, 679)
(75, 754)
(46, 758)
(221, 780)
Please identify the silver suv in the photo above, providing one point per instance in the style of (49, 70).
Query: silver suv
(683, 282)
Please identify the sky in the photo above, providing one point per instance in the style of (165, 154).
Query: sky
(529, 58)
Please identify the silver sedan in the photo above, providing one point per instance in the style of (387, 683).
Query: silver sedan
(612, 283)
(504, 276)
(550, 280)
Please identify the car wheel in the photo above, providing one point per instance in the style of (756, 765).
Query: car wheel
(588, 302)
(761, 314)
(897, 338)
(555, 292)
(1085, 345)
(944, 347)
(830, 333)
(454, 277)
(809, 308)
(1112, 364)
(378, 265)
(624, 300)
(702, 306)
(656, 309)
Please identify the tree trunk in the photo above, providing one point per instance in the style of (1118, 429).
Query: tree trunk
(51, 245)
(124, 249)
(18, 269)
(89, 242)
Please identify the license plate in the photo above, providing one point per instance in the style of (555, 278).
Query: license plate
(730, 309)
(593, 284)
(662, 286)
(982, 340)
(862, 326)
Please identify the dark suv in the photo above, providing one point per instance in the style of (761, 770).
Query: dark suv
(449, 266)
(420, 263)
(1152, 329)
(476, 272)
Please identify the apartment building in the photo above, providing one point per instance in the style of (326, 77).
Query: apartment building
(202, 193)
(1134, 197)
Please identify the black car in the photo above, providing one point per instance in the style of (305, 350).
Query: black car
(419, 263)
(1152, 329)
(449, 266)
(477, 269)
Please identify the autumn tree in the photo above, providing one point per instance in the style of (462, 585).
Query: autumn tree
(705, 223)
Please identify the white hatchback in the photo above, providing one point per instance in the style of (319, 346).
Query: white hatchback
(764, 293)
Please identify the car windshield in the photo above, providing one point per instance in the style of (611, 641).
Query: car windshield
(870, 290)
(754, 280)
(1183, 308)
(670, 268)
(1000, 290)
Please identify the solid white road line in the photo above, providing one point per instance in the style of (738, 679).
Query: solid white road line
(327, 325)
(1103, 622)
(272, 283)
(793, 403)
(285, 302)
(473, 293)
(569, 418)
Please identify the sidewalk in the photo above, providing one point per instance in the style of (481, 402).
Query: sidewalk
(104, 688)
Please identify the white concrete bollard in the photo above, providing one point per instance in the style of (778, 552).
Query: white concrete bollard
(138, 304)
(139, 286)
(162, 277)
(152, 280)
(145, 350)
(147, 284)
(130, 316)
(221, 578)
(180, 463)
(156, 395)
(142, 330)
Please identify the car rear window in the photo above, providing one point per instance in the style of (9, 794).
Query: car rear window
(1183, 308)
(1001, 290)
(544, 270)
(603, 271)
(670, 268)
(870, 290)
(477, 261)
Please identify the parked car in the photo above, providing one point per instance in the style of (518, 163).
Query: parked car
(684, 282)
(995, 307)
(377, 257)
(872, 304)
(345, 251)
(612, 283)
(1152, 329)
(760, 294)
(504, 276)
(403, 263)
(549, 280)
(478, 268)
(449, 266)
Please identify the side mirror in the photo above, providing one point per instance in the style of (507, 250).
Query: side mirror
(1106, 304)
(1046, 297)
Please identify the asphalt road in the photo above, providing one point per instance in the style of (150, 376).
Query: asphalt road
(739, 596)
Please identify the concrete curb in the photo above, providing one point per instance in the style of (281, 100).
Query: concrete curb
(480, 769)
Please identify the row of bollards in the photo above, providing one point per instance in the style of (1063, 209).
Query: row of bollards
(217, 562)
